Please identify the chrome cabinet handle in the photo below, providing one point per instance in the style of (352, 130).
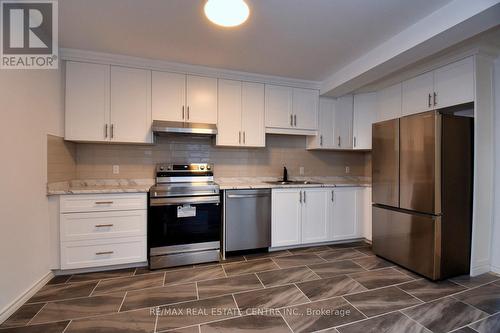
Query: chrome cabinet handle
(244, 137)
(304, 196)
(354, 142)
(291, 120)
(300, 196)
(112, 131)
(295, 120)
(106, 131)
(429, 100)
(183, 112)
(435, 100)
(239, 137)
(339, 141)
(103, 253)
(104, 202)
(103, 225)
(188, 112)
(333, 196)
(321, 140)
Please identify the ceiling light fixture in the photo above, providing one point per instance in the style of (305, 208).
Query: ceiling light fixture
(227, 13)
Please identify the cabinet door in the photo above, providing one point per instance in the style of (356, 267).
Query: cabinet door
(252, 114)
(305, 108)
(454, 83)
(363, 117)
(316, 215)
(229, 114)
(286, 216)
(87, 102)
(324, 139)
(389, 103)
(278, 106)
(344, 213)
(168, 96)
(201, 100)
(342, 122)
(417, 94)
(130, 105)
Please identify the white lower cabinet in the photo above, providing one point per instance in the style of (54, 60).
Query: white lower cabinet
(286, 217)
(102, 230)
(315, 215)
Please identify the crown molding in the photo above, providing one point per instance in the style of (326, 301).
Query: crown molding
(160, 65)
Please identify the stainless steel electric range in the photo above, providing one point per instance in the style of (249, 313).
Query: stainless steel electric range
(184, 216)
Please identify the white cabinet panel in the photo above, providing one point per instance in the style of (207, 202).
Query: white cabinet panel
(253, 114)
(324, 138)
(103, 225)
(229, 114)
(105, 252)
(364, 116)
(279, 106)
(344, 213)
(389, 103)
(87, 102)
(316, 215)
(342, 122)
(168, 96)
(201, 99)
(454, 83)
(80, 203)
(130, 105)
(417, 94)
(364, 212)
(286, 217)
(305, 108)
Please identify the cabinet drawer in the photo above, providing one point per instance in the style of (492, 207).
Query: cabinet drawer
(81, 203)
(101, 225)
(95, 253)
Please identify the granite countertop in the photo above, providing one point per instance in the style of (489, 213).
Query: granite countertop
(260, 182)
(102, 186)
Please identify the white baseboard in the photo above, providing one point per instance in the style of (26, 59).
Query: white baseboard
(6, 312)
(495, 269)
(98, 269)
(478, 270)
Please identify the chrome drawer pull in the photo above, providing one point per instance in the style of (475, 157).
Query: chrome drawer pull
(104, 253)
(104, 225)
(104, 202)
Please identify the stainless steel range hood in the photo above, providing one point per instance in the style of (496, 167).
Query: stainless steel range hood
(178, 127)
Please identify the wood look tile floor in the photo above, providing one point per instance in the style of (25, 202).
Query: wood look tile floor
(337, 288)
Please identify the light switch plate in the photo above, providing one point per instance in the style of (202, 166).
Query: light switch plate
(116, 169)
(301, 171)
(347, 169)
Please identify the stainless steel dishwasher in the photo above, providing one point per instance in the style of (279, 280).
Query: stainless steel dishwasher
(247, 219)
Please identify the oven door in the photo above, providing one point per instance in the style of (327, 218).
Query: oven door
(183, 224)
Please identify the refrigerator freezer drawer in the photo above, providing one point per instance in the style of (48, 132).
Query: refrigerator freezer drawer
(408, 240)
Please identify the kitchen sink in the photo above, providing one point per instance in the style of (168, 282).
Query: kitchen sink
(293, 182)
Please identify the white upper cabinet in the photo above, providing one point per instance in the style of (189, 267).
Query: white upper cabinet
(279, 106)
(454, 83)
(324, 138)
(286, 217)
(253, 114)
(316, 215)
(168, 96)
(449, 85)
(364, 116)
(87, 102)
(229, 114)
(389, 103)
(342, 122)
(201, 99)
(417, 94)
(107, 103)
(305, 108)
(241, 114)
(130, 105)
(345, 218)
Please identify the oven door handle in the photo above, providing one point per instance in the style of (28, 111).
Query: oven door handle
(184, 200)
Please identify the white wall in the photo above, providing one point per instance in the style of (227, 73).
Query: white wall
(31, 105)
(495, 241)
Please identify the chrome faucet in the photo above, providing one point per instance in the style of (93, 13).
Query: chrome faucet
(285, 174)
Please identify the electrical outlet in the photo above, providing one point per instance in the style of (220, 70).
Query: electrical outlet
(116, 169)
(347, 169)
(301, 171)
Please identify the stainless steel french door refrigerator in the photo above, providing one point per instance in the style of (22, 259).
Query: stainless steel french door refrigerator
(422, 192)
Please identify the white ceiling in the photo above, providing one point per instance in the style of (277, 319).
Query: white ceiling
(304, 39)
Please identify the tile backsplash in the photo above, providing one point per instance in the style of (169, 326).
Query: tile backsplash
(95, 161)
(61, 159)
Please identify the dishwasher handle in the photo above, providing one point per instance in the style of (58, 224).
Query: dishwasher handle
(242, 196)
